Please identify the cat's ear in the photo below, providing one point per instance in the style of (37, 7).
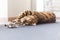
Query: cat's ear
(34, 24)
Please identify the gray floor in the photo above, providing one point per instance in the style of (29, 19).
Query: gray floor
(40, 32)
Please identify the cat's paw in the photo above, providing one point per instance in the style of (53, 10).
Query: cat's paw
(34, 24)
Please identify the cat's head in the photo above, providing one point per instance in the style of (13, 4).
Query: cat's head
(28, 20)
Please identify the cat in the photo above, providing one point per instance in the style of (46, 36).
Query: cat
(29, 17)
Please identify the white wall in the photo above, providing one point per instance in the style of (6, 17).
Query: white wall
(3, 11)
(39, 5)
(33, 4)
(17, 6)
(56, 7)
